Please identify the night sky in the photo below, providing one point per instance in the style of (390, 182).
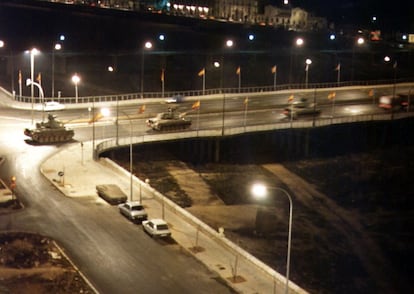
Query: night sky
(391, 15)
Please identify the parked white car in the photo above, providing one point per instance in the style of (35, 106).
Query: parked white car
(133, 210)
(156, 228)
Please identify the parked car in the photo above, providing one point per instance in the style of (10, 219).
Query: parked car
(111, 193)
(156, 228)
(133, 210)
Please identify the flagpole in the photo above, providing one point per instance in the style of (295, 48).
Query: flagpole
(246, 102)
(162, 82)
(239, 81)
(204, 83)
(338, 80)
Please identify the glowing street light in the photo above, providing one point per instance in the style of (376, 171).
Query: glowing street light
(307, 62)
(229, 43)
(260, 191)
(32, 52)
(147, 46)
(76, 80)
(57, 47)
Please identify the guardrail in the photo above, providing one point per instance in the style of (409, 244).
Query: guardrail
(195, 93)
(229, 131)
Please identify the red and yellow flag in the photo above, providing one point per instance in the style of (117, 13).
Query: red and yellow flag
(97, 117)
(246, 100)
(331, 95)
(196, 105)
(274, 69)
(202, 72)
(39, 78)
(238, 70)
(141, 110)
(162, 75)
(20, 76)
(291, 97)
(371, 93)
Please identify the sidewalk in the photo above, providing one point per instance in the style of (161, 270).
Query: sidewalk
(75, 174)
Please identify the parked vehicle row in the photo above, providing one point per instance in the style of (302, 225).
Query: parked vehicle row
(133, 210)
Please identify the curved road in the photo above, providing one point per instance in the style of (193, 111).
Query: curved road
(114, 254)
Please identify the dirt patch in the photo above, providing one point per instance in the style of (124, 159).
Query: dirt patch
(352, 216)
(30, 263)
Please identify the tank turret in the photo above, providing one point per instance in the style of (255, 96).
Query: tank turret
(50, 131)
(169, 120)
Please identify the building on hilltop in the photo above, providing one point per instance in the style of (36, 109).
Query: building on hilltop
(296, 19)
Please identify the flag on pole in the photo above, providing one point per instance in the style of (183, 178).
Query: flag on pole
(97, 117)
(246, 100)
(338, 67)
(196, 105)
(39, 78)
(141, 110)
(20, 76)
(291, 97)
(274, 69)
(371, 93)
(331, 95)
(238, 70)
(394, 66)
(202, 72)
(162, 75)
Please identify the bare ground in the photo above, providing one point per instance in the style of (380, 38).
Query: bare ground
(30, 263)
(343, 239)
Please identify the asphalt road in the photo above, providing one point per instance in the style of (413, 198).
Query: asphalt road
(115, 255)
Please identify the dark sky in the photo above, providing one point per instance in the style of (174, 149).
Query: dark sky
(392, 15)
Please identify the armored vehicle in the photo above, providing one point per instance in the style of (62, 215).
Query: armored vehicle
(51, 131)
(170, 120)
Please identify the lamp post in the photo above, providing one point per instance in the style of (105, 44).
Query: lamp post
(307, 62)
(130, 150)
(30, 82)
(32, 52)
(359, 42)
(298, 43)
(147, 46)
(57, 47)
(76, 80)
(104, 112)
(260, 190)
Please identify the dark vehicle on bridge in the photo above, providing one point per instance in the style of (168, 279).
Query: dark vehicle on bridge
(169, 120)
(51, 131)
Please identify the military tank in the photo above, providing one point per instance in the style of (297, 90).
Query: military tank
(169, 120)
(51, 131)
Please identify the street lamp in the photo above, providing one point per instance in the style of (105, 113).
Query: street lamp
(147, 46)
(76, 80)
(57, 47)
(359, 42)
(130, 147)
(260, 191)
(104, 112)
(297, 43)
(32, 52)
(307, 62)
(29, 82)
